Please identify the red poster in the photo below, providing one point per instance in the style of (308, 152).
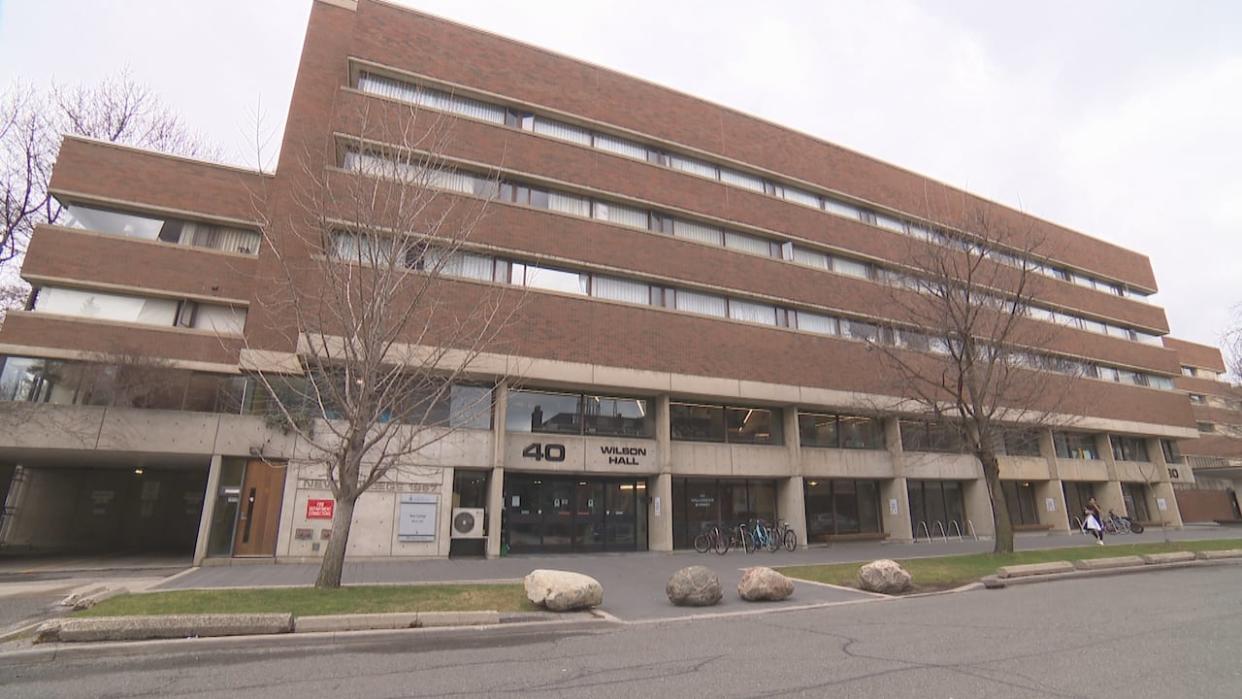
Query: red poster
(320, 509)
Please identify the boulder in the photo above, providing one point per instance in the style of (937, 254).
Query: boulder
(562, 591)
(884, 576)
(695, 586)
(764, 584)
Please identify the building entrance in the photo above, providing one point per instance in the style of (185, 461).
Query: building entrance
(557, 514)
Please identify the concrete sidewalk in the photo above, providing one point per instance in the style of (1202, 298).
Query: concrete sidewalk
(634, 582)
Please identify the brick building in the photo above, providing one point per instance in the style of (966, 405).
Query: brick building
(700, 289)
(1211, 471)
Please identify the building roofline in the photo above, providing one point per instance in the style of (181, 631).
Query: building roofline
(162, 154)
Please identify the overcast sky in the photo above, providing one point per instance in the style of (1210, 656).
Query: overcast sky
(1122, 120)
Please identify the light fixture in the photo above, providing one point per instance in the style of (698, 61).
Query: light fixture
(138, 472)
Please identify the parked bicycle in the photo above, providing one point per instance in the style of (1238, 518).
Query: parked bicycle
(712, 540)
(1116, 524)
(785, 536)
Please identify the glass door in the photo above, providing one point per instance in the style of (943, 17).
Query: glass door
(622, 522)
(589, 516)
(558, 516)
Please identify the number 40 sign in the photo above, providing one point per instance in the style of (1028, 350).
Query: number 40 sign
(544, 452)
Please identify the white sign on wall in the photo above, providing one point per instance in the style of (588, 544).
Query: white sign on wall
(892, 506)
(1050, 504)
(1162, 504)
(416, 517)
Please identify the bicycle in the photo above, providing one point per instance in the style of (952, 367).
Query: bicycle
(711, 540)
(786, 536)
(741, 537)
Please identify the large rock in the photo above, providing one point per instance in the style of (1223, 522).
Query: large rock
(562, 591)
(764, 584)
(696, 586)
(884, 576)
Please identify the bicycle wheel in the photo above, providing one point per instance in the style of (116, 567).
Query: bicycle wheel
(702, 543)
(748, 541)
(773, 540)
(790, 540)
(720, 542)
(1136, 528)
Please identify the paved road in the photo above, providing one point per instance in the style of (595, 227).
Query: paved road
(1159, 634)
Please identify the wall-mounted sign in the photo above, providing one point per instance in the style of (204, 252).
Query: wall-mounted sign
(892, 506)
(416, 517)
(657, 506)
(1162, 504)
(1050, 504)
(320, 509)
(1173, 473)
(381, 487)
(592, 452)
(303, 534)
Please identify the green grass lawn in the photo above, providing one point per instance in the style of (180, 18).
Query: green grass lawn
(307, 601)
(945, 572)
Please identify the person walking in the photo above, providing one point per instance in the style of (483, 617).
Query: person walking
(1092, 521)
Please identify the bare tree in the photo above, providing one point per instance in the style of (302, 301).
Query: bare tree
(1233, 346)
(12, 297)
(963, 348)
(32, 122)
(370, 258)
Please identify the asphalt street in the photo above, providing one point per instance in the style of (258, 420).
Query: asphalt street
(1171, 633)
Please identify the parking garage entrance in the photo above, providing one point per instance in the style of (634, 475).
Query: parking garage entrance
(103, 508)
(556, 514)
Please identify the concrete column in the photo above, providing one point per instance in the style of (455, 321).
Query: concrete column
(1108, 495)
(896, 519)
(209, 509)
(790, 495)
(660, 513)
(660, 487)
(496, 482)
(1051, 489)
(1161, 488)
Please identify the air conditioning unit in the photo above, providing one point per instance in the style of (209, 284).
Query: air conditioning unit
(467, 522)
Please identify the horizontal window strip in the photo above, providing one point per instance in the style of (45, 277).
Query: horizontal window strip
(564, 280)
(461, 182)
(436, 99)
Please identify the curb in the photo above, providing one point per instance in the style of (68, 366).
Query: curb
(70, 651)
(992, 582)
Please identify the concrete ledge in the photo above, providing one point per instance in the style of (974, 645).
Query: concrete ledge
(1217, 555)
(434, 619)
(1021, 571)
(138, 628)
(354, 622)
(1109, 563)
(1171, 557)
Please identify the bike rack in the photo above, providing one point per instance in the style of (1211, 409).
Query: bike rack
(943, 535)
(926, 533)
(970, 526)
(954, 525)
(1078, 523)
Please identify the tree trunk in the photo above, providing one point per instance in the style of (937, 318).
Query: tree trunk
(1000, 509)
(334, 557)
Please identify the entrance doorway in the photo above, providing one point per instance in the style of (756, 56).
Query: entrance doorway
(258, 518)
(556, 514)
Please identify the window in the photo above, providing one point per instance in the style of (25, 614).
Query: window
(747, 243)
(1188, 371)
(550, 279)
(802, 197)
(697, 423)
(703, 304)
(850, 268)
(815, 323)
(840, 208)
(621, 290)
(535, 411)
(713, 423)
(1135, 497)
(818, 430)
(620, 146)
(837, 507)
(619, 417)
(929, 436)
(138, 309)
(622, 215)
(1129, 448)
(1020, 498)
(1205, 427)
(698, 231)
(562, 131)
(1172, 455)
(1020, 442)
(890, 223)
(860, 330)
(692, 166)
(741, 179)
(470, 407)
(860, 432)
(752, 312)
(810, 257)
(1198, 398)
(1075, 445)
(753, 426)
(168, 230)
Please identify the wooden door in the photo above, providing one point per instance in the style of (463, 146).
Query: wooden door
(259, 519)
